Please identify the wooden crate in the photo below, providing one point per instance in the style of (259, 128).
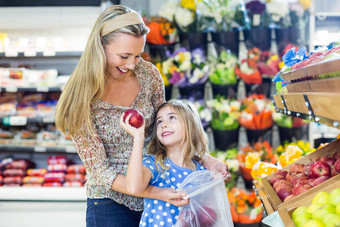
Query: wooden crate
(263, 197)
(286, 210)
(324, 85)
(274, 199)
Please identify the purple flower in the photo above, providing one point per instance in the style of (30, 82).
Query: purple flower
(255, 7)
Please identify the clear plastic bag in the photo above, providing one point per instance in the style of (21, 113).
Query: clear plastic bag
(209, 205)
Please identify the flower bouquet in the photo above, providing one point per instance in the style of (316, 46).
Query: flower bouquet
(162, 31)
(259, 34)
(189, 19)
(224, 123)
(203, 111)
(245, 207)
(256, 117)
(222, 74)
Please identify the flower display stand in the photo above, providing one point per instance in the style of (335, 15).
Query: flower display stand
(284, 36)
(228, 90)
(228, 40)
(258, 37)
(288, 134)
(262, 88)
(192, 91)
(168, 92)
(193, 40)
(226, 139)
(254, 135)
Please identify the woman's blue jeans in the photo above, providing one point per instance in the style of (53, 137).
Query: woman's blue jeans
(108, 213)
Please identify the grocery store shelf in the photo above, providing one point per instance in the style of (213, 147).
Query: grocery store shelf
(4, 148)
(13, 89)
(22, 120)
(14, 54)
(321, 107)
(43, 194)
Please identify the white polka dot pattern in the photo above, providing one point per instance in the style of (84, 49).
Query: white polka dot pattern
(157, 212)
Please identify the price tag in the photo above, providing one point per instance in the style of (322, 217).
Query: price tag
(42, 89)
(256, 19)
(30, 53)
(49, 53)
(11, 53)
(10, 88)
(40, 149)
(48, 119)
(15, 120)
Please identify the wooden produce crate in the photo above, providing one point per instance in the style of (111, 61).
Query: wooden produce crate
(263, 197)
(274, 199)
(324, 85)
(286, 210)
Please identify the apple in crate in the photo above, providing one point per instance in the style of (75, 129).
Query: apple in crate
(320, 168)
(136, 119)
(337, 166)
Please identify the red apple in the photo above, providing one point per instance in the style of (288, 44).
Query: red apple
(337, 165)
(136, 119)
(304, 188)
(329, 160)
(311, 181)
(281, 183)
(296, 168)
(319, 180)
(206, 216)
(298, 185)
(320, 168)
(276, 178)
(290, 176)
(281, 173)
(306, 169)
(336, 156)
(289, 197)
(284, 192)
(187, 218)
(296, 179)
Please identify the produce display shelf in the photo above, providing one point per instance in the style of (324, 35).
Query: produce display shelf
(261, 194)
(14, 89)
(321, 107)
(287, 209)
(274, 199)
(37, 149)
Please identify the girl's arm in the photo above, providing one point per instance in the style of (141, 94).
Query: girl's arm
(215, 165)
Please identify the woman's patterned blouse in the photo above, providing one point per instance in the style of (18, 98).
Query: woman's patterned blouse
(106, 153)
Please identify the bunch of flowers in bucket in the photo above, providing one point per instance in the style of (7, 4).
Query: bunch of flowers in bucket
(203, 110)
(245, 207)
(225, 113)
(222, 68)
(188, 15)
(185, 68)
(162, 31)
(256, 112)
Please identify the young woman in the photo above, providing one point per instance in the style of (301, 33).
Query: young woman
(178, 147)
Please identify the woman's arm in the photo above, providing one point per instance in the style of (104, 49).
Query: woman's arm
(216, 165)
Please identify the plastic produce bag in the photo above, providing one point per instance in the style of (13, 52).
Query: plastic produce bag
(209, 205)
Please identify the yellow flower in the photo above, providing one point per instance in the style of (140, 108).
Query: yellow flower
(165, 79)
(189, 4)
(305, 3)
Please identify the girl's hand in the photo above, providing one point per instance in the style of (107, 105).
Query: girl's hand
(176, 198)
(135, 132)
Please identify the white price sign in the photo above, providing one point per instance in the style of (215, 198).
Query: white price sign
(17, 120)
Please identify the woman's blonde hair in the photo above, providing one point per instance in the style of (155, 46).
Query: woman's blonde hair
(87, 82)
(195, 138)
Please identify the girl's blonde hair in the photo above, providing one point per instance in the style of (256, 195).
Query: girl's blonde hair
(195, 138)
(87, 82)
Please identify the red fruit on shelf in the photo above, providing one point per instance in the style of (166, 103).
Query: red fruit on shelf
(284, 192)
(280, 184)
(337, 166)
(136, 120)
(281, 173)
(304, 188)
(329, 160)
(320, 168)
(296, 168)
(319, 180)
(276, 178)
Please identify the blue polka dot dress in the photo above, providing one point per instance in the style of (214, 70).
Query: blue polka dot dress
(158, 213)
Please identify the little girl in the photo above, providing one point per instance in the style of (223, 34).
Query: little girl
(179, 143)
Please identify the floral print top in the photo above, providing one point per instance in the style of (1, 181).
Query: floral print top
(107, 153)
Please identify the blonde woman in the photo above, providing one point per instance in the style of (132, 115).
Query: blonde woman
(110, 78)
